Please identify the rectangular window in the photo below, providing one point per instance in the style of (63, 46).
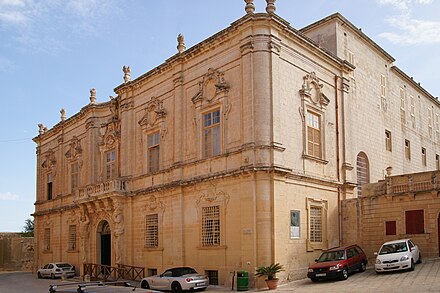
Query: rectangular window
(49, 186)
(402, 106)
(415, 222)
(315, 224)
(388, 142)
(110, 164)
(294, 224)
(423, 156)
(151, 272)
(46, 243)
(72, 237)
(407, 150)
(211, 226)
(74, 174)
(390, 228)
(383, 83)
(212, 276)
(430, 122)
(153, 152)
(211, 134)
(437, 162)
(152, 231)
(412, 111)
(314, 135)
(350, 57)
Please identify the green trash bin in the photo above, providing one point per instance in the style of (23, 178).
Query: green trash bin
(242, 281)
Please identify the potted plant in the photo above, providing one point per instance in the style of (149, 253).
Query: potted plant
(270, 272)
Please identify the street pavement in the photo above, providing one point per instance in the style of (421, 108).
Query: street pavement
(425, 278)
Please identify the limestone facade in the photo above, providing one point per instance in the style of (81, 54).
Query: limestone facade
(232, 154)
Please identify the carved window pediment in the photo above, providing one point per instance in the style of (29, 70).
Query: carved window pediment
(311, 90)
(211, 87)
(111, 135)
(50, 160)
(154, 113)
(75, 149)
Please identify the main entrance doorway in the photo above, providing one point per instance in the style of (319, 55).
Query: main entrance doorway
(104, 234)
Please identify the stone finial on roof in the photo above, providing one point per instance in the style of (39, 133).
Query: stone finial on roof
(250, 7)
(181, 43)
(63, 114)
(92, 96)
(270, 7)
(127, 73)
(42, 129)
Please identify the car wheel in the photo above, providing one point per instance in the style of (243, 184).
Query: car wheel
(145, 285)
(363, 267)
(412, 265)
(344, 274)
(420, 258)
(175, 287)
(52, 276)
(39, 275)
(314, 280)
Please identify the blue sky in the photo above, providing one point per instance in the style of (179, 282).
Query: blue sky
(52, 52)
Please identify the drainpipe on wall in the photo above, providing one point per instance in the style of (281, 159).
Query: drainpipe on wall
(338, 159)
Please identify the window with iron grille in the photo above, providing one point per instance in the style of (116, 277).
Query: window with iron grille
(211, 134)
(153, 152)
(415, 222)
(213, 277)
(211, 226)
(72, 237)
(74, 172)
(314, 135)
(315, 224)
(110, 164)
(152, 231)
(151, 272)
(46, 243)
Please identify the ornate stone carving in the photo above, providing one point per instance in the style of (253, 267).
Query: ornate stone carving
(212, 195)
(50, 160)
(127, 73)
(312, 90)
(181, 43)
(92, 96)
(118, 221)
(154, 112)
(154, 204)
(42, 129)
(212, 86)
(63, 115)
(75, 149)
(84, 221)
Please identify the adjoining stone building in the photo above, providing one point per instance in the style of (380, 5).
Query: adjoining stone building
(232, 154)
(399, 207)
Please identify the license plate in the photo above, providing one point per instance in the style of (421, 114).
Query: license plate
(200, 284)
(320, 275)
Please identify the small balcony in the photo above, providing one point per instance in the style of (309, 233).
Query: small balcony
(111, 187)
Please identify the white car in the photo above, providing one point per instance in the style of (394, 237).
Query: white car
(176, 280)
(397, 255)
(56, 270)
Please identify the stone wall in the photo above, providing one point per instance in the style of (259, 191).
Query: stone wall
(16, 252)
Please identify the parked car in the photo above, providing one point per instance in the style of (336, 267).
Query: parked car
(56, 270)
(397, 255)
(337, 263)
(176, 280)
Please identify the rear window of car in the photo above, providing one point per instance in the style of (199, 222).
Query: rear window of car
(393, 248)
(184, 271)
(63, 265)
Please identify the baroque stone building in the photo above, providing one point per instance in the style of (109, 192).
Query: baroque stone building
(232, 154)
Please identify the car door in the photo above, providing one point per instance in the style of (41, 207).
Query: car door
(43, 270)
(164, 282)
(352, 259)
(414, 250)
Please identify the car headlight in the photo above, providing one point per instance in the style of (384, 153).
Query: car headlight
(310, 270)
(334, 268)
(403, 258)
(378, 261)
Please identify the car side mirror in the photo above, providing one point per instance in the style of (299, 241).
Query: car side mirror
(375, 253)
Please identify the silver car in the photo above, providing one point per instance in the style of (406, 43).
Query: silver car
(56, 270)
(176, 280)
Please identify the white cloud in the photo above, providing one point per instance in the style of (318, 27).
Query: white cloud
(8, 196)
(408, 30)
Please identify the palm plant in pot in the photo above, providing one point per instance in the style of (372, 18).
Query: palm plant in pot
(270, 272)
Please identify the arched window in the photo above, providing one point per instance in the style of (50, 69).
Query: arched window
(363, 171)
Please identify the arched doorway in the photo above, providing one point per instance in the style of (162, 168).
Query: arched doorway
(362, 171)
(105, 244)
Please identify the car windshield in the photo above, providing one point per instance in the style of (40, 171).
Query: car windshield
(393, 248)
(332, 256)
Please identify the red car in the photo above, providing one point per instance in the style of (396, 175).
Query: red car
(337, 263)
